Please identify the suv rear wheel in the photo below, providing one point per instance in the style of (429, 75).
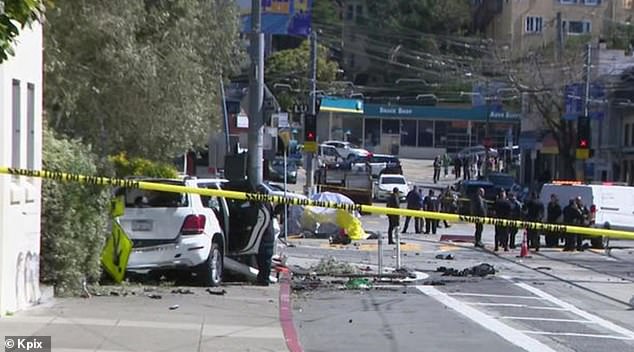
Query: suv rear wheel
(211, 270)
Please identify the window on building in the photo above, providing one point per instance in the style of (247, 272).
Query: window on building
(359, 11)
(441, 128)
(534, 24)
(568, 1)
(408, 133)
(626, 136)
(30, 126)
(16, 128)
(577, 27)
(350, 13)
(372, 133)
(390, 126)
(426, 134)
(628, 4)
(592, 2)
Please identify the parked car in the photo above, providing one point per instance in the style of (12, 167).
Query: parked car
(467, 190)
(328, 155)
(386, 183)
(347, 149)
(276, 171)
(173, 231)
(504, 182)
(379, 164)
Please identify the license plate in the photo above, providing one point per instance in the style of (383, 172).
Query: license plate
(141, 225)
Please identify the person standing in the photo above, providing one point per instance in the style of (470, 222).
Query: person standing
(446, 204)
(534, 213)
(437, 165)
(445, 163)
(393, 202)
(516, 214)
(466, 168)
(413, 203)
(478, 208)
(431, 204)
(553, 215)
(572, 216)
(265, 252)
(502, 208)
(585, 221)
(457, 166)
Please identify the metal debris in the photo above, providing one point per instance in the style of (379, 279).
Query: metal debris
(216, 292)
(481, 270)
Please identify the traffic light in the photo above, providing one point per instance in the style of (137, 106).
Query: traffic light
(310, 128)
(583, 132)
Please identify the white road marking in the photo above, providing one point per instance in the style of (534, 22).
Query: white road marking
(582, 313)
(491, 295)
(548, 319)
(514, 305)
(508, 333)
(576, 334)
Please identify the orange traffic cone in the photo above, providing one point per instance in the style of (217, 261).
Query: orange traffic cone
(524, 247)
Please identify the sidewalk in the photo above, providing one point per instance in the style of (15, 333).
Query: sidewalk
(245, 318)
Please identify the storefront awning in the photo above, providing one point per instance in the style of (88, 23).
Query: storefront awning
(351, 106)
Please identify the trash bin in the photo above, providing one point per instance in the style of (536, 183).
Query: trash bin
(395, 149)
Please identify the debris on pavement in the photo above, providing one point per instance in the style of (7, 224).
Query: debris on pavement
(176, 306)
(358, 284)
(445, 257)
(155, 296)
(543, 268)
(331, 266)
(216, 292)
(481, 270)
(183, 291)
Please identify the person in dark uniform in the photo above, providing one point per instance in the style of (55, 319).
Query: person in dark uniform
(478, 208)
(572, 216)
(437, 166)
(431, 204)
(585, 221)
(413, 202)
(534, 213)
(502, 208)
(457, 166)
(516, 214)
(554, 212)
(393, 202)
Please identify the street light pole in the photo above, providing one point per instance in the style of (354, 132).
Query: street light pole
(256, 95)
(310, 172)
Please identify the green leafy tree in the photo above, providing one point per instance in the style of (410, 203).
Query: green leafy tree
(17, 14)
(291, 68)
(140, 76)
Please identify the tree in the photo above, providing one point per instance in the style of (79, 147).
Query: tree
(291, 67)
(139, 76)
(15, 15)
(542, 82)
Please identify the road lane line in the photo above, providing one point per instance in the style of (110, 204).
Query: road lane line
(491, 295)
(508, 333)
(582, 313)
(513, 305)
(548, 319)
(600, 336)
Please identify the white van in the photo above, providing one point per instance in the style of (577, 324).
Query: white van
(610, 206)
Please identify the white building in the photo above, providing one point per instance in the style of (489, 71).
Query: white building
(21, 147)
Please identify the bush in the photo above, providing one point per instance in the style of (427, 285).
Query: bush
(124, 166)
(74, 217)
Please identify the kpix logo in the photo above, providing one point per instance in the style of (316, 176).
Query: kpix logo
(27, 343)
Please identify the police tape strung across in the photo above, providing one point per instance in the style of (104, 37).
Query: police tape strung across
(259, 197)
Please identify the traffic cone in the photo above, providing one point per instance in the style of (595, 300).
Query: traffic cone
(524, 247)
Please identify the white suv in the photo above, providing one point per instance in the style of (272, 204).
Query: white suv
(173, 231)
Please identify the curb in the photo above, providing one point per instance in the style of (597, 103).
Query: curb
(286, 313)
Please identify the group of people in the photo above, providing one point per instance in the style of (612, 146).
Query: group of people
(507, 206)
(468, 167)
(416, 201)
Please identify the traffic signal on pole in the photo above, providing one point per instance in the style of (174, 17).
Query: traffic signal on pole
(310, 128)
(583, 132)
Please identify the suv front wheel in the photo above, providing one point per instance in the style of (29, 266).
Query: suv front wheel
(211, 270)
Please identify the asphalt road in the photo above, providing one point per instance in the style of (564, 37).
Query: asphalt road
(550, 301)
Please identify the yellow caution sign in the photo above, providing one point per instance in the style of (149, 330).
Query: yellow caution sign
(259, 197)
(116, 253)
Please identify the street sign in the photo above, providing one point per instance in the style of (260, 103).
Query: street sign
(583, 154)
(310, 147)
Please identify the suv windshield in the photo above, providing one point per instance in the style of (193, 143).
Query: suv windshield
(393, 180)
(139, 198)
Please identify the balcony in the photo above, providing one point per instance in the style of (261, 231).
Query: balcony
(484, 11)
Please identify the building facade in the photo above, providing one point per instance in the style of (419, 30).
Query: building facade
(414, 131)
(522, 25)
(21, 147)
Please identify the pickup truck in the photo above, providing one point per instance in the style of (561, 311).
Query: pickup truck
(355, 184)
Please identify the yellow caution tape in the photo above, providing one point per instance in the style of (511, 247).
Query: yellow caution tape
(259, 197)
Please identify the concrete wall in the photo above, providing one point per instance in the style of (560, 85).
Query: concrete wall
(20, 198)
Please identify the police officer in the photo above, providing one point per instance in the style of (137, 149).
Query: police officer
(554, 212)
(431, 204)
(534, 213)
(502, 209)
(393, 202)
(413, 203)
(516, 214)
(479, 208)
(572, 216)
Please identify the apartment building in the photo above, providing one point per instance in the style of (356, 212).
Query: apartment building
(526, 24)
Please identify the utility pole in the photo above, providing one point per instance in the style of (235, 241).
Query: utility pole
(560, 38)
(256, 95)
(586, 94)
(310, 172)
